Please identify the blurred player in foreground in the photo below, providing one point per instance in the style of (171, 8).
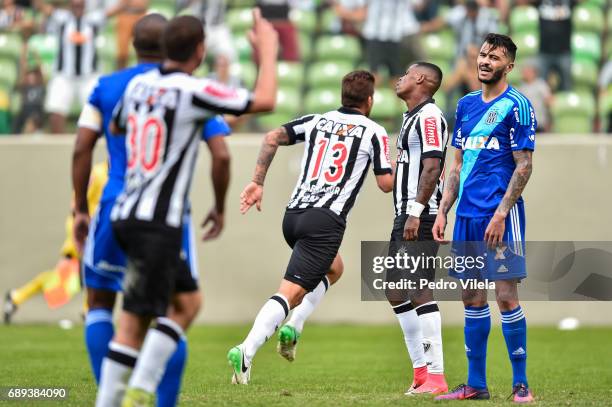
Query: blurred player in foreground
(494, 139)
(162, 111)
(60, 284)
(339, 147)
(417, 190)
(104, 262)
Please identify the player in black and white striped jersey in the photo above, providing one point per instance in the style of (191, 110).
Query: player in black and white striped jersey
(339, 147)
(161, 112)
(417, 190)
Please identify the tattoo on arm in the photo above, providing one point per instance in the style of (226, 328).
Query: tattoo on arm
(522, 172)
(451, 187)
(428, 180)
(272, 140)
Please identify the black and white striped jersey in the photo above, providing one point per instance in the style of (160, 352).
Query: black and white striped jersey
(77, 55)
(162, 112)
(424, 134)
(339, 147)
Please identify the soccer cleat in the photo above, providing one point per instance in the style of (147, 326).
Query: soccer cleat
(287, 342)
(420, 377)
(9, 308)
(138, 398)
(521, 394)
(237, 360)
(465, 392)
(435, 384)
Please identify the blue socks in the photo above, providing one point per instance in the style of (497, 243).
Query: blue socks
(514, 327)
(170, 385)
(99, 331)
(477, 327)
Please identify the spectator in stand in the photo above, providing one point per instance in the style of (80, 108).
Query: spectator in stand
(556, 39)
(471, 21)
(218, 35)
(131, 12)
(390, 30)
(537, 91)
(76, 65)
(31, 87)
(426, 10)
(277, 12)
(605, 88)
(223, 75)
(346, 25)
(11, 16)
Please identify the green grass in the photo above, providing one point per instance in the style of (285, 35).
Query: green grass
(336, 365)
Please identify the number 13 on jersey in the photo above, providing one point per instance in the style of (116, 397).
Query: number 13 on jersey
(329, 157)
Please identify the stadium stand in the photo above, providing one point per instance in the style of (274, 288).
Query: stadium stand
(326, 54)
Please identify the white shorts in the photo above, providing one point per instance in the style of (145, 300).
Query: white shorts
(62, 90)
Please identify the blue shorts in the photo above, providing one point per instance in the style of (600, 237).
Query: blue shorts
(504, 263)
(104, 262)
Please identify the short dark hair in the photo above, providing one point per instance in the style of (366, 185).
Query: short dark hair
(357, 87)
(435, 70)
(181, 38)
(502, 41)
(147, 34)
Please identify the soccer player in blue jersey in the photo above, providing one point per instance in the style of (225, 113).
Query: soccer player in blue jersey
(494, 139)
(104, 262)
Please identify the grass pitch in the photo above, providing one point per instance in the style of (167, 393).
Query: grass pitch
(336, 365)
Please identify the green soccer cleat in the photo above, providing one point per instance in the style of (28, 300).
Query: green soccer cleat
(138, 398)
(236, 359)
(287, 342)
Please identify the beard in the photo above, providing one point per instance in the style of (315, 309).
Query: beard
(497, 75)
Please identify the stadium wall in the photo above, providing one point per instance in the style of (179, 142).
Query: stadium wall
(568, 198)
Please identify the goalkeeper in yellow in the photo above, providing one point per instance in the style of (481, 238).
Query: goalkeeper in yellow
(61, 283)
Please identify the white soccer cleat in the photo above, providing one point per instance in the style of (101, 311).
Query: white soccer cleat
(237, 361)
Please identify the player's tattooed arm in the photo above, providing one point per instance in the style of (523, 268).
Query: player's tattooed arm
(428, 179)
(451, 184)
(520, 177)
(272, 140)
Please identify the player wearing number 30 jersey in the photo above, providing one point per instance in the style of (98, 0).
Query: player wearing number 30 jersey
(339, 147)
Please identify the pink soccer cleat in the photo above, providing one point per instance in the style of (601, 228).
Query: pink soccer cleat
(420, 377)
(522, 394)
(435, 384)
(465, 392)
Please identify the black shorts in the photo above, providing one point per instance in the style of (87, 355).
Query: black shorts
(424, 247)
(315, 235)
(155, 270)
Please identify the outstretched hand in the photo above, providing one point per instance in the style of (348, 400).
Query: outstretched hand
(80, 229)
(251, 195)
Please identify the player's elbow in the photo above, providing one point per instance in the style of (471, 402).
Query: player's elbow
(385, 183)
(263, 102)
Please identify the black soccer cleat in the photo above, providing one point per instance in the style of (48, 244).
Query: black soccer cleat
(9, 308)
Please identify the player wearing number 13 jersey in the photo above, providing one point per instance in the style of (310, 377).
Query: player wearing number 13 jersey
(339, 148)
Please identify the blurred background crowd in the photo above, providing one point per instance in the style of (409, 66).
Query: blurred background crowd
(51, 53)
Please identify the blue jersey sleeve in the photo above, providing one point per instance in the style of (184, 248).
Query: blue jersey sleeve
(94, 97)
(523, 126)
(456, 140)
(215, 126)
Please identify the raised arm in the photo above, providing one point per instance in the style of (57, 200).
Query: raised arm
(264, 40)
(253, 192)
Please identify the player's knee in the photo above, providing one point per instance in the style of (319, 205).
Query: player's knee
(336, 270)
(474, 298)
(100, 298)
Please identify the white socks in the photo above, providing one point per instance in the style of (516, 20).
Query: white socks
(269, 318)
(300, 314)
(159, 345)
(116, 369)
(431, 326)
(413, 336)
